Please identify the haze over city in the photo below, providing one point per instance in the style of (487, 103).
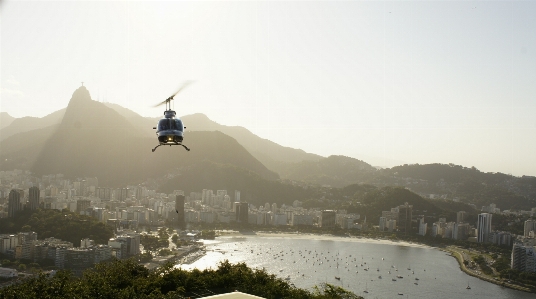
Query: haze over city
(385, 82)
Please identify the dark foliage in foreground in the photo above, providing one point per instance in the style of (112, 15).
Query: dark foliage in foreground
(128, 279)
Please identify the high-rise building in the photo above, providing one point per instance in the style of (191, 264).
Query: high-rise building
(383, 223)
(327, 218)
(523, 257)
(82, 205)
(483, 227)
(34, 195)
(391, 225)
(179, 209)
(237, 196)
(241, 212)
(14, 203)
(530, 225)
(423, 227)
(460, 217)
(404, 217)
(460, 231)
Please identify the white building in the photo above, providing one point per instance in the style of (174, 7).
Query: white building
(423, 227)
(523, 256)
(437, 229)
(383, 223)
(279, 219)
(391, 225)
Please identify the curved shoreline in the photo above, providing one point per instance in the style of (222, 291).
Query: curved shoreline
(454, 253)
(459, 257)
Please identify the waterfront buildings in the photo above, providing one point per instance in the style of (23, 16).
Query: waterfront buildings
(423, 227)
(524, 255)
(327, 219)
(483, 227)
(405, 213)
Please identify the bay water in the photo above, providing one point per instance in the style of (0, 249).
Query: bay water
(369, 268)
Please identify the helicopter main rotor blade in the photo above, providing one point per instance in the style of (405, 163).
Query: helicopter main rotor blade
(184, 85)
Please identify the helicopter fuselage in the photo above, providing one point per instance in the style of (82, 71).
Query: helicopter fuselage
(170, 129)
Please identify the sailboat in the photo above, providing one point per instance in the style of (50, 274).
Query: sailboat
(366, 288)
(468, 287)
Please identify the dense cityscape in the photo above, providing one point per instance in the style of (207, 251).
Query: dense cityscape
(133, 210)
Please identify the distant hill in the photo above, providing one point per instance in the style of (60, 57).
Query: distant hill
(5, 120)
(467, 184)
(94, 140)
(336, 171)
(374, 201)
(25, 124)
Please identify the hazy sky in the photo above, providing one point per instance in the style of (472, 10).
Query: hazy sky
(385, 82)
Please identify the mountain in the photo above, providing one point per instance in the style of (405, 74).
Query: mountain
(272, 155)
(26, 124)
(94, 140)
(5, 119)
(20, 151)
(266, 151)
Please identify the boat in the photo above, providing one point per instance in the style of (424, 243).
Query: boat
(366, 288)
(394, 279)
(337, 278)
(380, 277)
(415, 283)
(287, 278)
(416, 278)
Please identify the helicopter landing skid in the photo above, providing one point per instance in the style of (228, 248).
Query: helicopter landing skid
(154, 149)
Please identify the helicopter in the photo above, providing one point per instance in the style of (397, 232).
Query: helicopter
(170, 129)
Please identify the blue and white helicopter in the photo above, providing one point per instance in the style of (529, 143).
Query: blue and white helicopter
(170, 129)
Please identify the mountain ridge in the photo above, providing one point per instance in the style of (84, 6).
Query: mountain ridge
(95, 140)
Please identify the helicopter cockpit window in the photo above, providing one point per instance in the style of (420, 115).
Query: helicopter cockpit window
(163, 124)
(177, 124)
(170, 124)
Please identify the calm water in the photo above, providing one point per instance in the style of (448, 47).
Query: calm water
(358, 263)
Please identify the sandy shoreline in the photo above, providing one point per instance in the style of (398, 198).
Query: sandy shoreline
(236, 234)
